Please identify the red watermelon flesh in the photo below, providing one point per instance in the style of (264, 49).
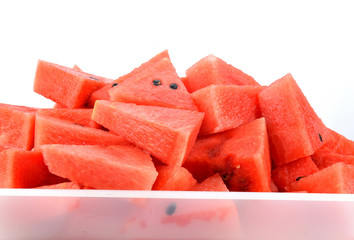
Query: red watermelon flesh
(66, 86)
(212, 70)
(213, 183)
(64, 185)
(16, 126)
(22, 169)
(79, 116)
(77, 68)
(337, 149)
(51, 130)
(57, 105)
(240, 156)
(112, 167)
(226, 106)
(291, 172)
(337, 178)
(295, 131)
(159, 85)
(167, 134)
(102, 93)
(173, 178)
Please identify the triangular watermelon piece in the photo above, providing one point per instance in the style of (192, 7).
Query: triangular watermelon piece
(102, 93)
(291, 172)
(295, 131)
(66, 86)
(22, 169)
(226, 106)
(337, 178)
(51, 129)
(173, 178)
(17, 126)
(99, 167)
(167, 134)
(158, 85)
(213, 183)
(240, 156)
(212, 70)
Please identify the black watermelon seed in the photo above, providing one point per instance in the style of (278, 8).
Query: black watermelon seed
(320, 137)
(95, 78)
(156, 82)
(171, 209)
(114, 84)
(298, 178)
(78, 124)
(173, 86)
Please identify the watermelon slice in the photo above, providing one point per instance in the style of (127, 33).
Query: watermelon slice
(337, 178)
(102, 167)
(240, 155)
(226, 106)
(212, 70)
(295, 131)
(102, 93)
(337, 149)
(53, 127)
(167, 134)
(16, 126)
(22, 169)
(213, 183)
(66, 86)
(173, 178)
(291, 172)
(158, 85)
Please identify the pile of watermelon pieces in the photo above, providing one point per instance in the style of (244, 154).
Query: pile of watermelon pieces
(216, 129)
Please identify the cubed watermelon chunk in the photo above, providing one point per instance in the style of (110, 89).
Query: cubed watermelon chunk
(167, 134)
(22, 169)
(173, 178)
(158, 85)
(240, 155)
(53, 129)
(212, 70)
(291, 172)
(226, 106)
(337, 178)
(112, 167)
(66, 86)
(295, 131)
(17, 126)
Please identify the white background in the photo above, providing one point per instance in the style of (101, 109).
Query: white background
(313, 40)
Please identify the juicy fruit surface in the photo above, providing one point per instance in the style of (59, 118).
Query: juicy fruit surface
(167, 134)
(102, 167)
(212, 70)
(295, 131)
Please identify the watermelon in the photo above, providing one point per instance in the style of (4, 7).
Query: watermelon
(212, 70)
(337, 178)
(241, 156)
(212, 183)
(64, 185)
(295, 131)
(102, 93)
(157, 86)
(337, 149)
(291, 172)
(22, 169)
(173, 178)
(112, 167)
(226, 106)
(16, 126)
(66, 86)
(54, 128)
(167, 134)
